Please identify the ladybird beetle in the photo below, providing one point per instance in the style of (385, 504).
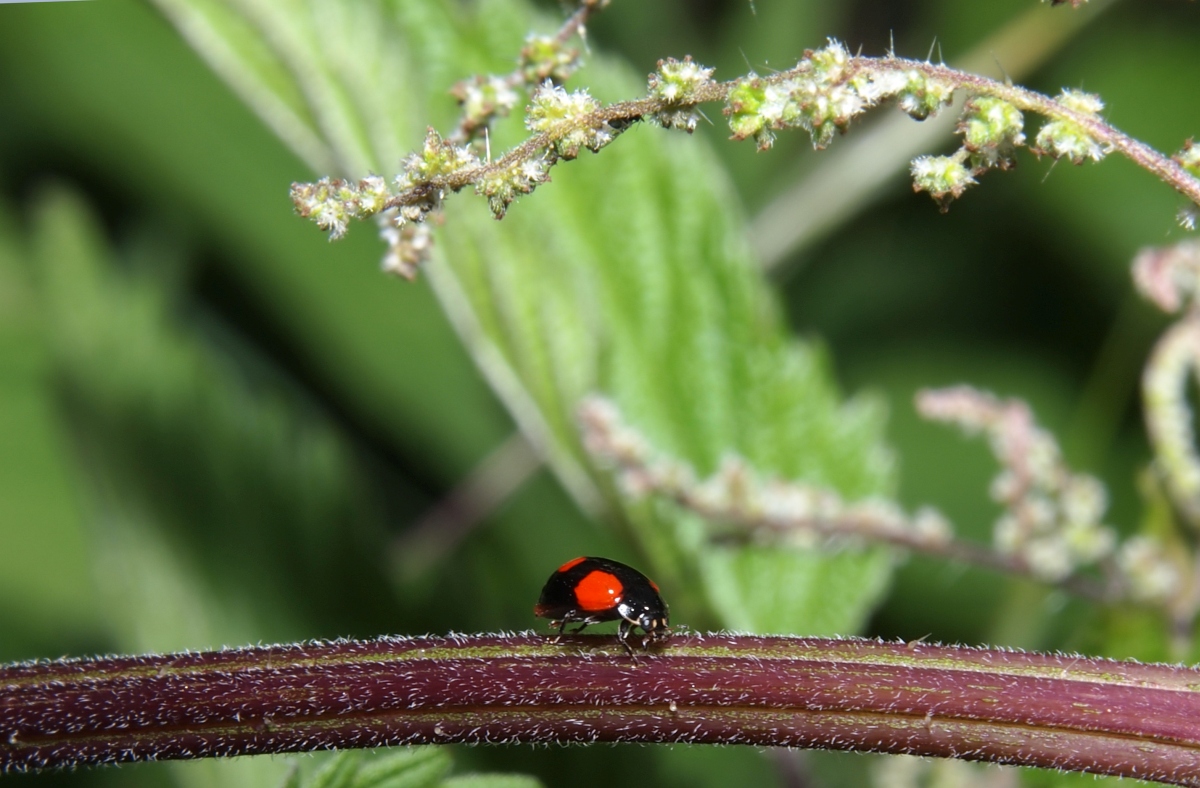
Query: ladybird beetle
(588, 590)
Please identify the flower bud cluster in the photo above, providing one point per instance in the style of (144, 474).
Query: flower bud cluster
(991, 129)
(331, 202)
(736, 494)
(482, 100)
(409, 247)
(923, 95)
(818, 98)
(1169, 277)
(944, 177)
(1053, 517)
(502, 187)
(675, 83)
(438, 158)
(568, 117)
(1068, 139)
(1151, 574)
(823, 93)
(1189, 157)
(546, 58)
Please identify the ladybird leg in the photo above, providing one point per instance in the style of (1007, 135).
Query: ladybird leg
(623, 632)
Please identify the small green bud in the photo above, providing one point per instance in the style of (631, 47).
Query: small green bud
(1066, 139)
(923, 96)
(438, 158)
(944, 177)
(1189, 157)
(829, 62)
(745, 107)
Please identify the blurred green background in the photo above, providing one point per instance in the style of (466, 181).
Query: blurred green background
(216, 428)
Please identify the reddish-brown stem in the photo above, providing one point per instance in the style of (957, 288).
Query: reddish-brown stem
(1056, 711)
(1165, 168)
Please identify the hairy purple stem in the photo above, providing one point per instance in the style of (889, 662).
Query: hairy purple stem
(1076, 713)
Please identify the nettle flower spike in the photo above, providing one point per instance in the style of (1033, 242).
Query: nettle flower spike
(675, 82)
(1067, 139)
(564, 116)
(944, 177)
(991, 129)
(824, 96)
(331, 203)
(437, 159)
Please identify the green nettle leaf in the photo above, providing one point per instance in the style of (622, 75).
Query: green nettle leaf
(491, 781)
(124, 386)
(629, 275)
(402, 767)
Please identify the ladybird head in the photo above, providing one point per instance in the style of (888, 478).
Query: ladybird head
(648, 612)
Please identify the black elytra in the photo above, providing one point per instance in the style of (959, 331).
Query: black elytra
(590, 590)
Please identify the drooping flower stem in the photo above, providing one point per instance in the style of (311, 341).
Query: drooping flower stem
(1056, 711)
(822, 94)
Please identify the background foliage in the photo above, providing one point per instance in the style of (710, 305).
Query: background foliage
(216, 427)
